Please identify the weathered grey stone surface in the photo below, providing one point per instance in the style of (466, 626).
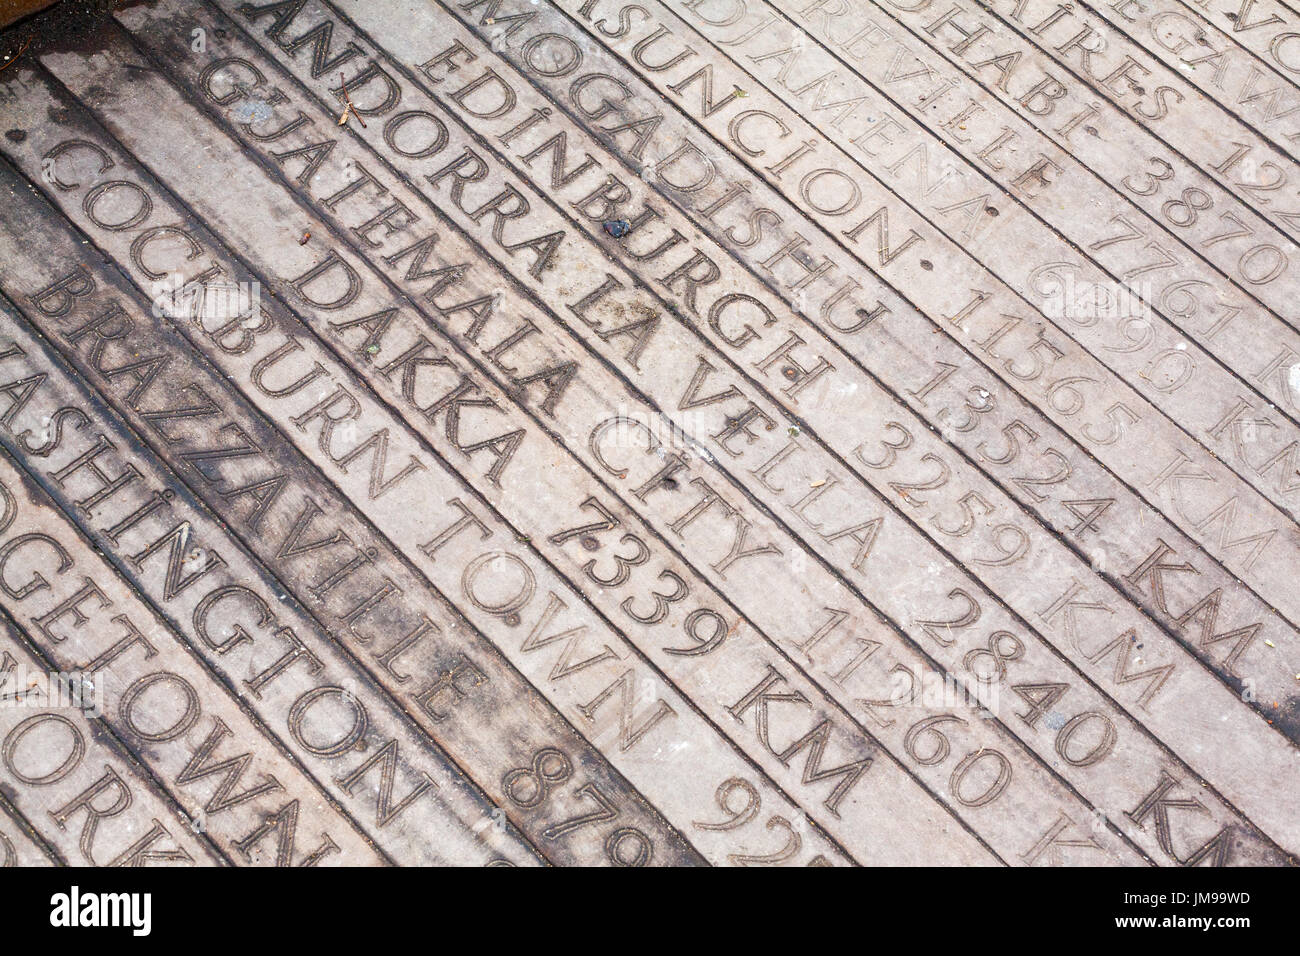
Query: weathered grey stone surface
(733, 432)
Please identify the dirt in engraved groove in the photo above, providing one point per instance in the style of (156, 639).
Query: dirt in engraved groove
(682, 432)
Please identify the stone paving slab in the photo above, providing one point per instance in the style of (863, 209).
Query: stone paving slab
(683, 432)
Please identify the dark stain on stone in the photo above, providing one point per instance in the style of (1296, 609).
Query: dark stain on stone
(16, 135)
(67, 26)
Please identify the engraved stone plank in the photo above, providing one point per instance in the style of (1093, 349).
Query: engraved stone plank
(741, 693)
(668, 433)
(332, 720)
(1099, 429)
(249, 497)
(1279, 751)
(982, 401)
(1054, 373)
(1265, 27)
(258, 803)
(588, 688)
(734, 641)
(1121, 543)
(704, 761)
(1203, 419)
(1096, 70)
(864, 103)
(887, 359)
(980, 117)
(74, 783)
(1258, 92)
(1086, 190)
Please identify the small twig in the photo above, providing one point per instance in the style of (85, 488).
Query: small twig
(22, 50)
(351, 107)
